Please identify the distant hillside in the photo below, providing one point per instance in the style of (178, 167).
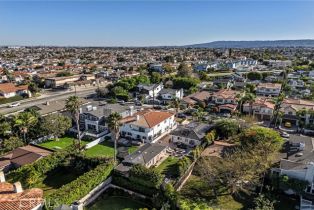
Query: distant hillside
(255, 44)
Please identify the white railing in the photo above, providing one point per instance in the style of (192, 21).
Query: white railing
(97, 141)
(42, 139)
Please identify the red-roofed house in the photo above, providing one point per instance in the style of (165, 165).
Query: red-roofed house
(148, 125)
(8, 90)
(225, 100)
(13, 197)
(262, 107)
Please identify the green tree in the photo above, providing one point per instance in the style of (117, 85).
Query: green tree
(56, 124)
(155, 77)
(176, 104)
(12, 143)
(263, 203)
(254, 75)
(269, 138)
(227, 128)
(184, 70)
(168, 68)
(24, 121)
(73, 104)
(114, 127)
(5, 128)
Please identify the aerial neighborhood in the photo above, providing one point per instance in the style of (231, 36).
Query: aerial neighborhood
(165, 128)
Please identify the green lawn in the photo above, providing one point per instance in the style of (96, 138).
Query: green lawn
(132, 149)
(167, 167)
(219, 74)
(116, 203)
(195, 190)
(57, 178)
(104, 149)
(62, 143)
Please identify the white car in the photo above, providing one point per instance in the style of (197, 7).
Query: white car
(284, 135)
(14, 104)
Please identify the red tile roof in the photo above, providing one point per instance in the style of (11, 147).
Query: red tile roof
(148, 118)
(10, 87)
(26, 200)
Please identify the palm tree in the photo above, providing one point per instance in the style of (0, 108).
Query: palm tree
(240, 97)
(176, 104)
(114, 127)
(278, 101)
(301, 114)
(24, 121)
(250, 98)
(73, 106)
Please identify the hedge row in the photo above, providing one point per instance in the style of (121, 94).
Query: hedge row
(29, 175)
(80, 187)
(146, 177)
(182, 165)
(125, 182)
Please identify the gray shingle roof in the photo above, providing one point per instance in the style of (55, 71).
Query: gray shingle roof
(144, 154)
(103, 109)
(195, 131)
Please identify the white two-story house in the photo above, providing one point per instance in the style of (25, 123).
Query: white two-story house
(148, 125)
(192, 134)
(170, 94)
(298, 163)
(150, 91)
(268, 89)
(93, 117)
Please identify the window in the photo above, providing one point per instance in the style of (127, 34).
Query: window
(140, 129)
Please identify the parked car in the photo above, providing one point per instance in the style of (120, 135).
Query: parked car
(138, 103)
(136, 143)
(181, 115)
(288, 125)
(182, 146)
(14, 104)
(284, 135)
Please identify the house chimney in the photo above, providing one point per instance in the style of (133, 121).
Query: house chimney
(18, 187)
(137, 117)
(2, 177)
(131, 110)
(47, 103)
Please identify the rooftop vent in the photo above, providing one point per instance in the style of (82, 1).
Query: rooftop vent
(89, 108)
(18, 187)
(2, 177)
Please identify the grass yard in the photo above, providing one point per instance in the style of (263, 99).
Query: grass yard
(132, 149)
(117, 203)
(57, 178)
(168, 166)
(195, 188)
(104, 149)
(219, 74)
(62, 143)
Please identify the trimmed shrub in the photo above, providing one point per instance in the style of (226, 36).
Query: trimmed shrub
(146, 177)
(80, 187)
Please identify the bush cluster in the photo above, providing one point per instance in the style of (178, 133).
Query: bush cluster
(182, 165)
(80, 187)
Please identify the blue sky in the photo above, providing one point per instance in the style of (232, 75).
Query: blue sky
(148, 23)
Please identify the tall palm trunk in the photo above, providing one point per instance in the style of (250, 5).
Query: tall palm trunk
(114, 136)
(78, 133)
